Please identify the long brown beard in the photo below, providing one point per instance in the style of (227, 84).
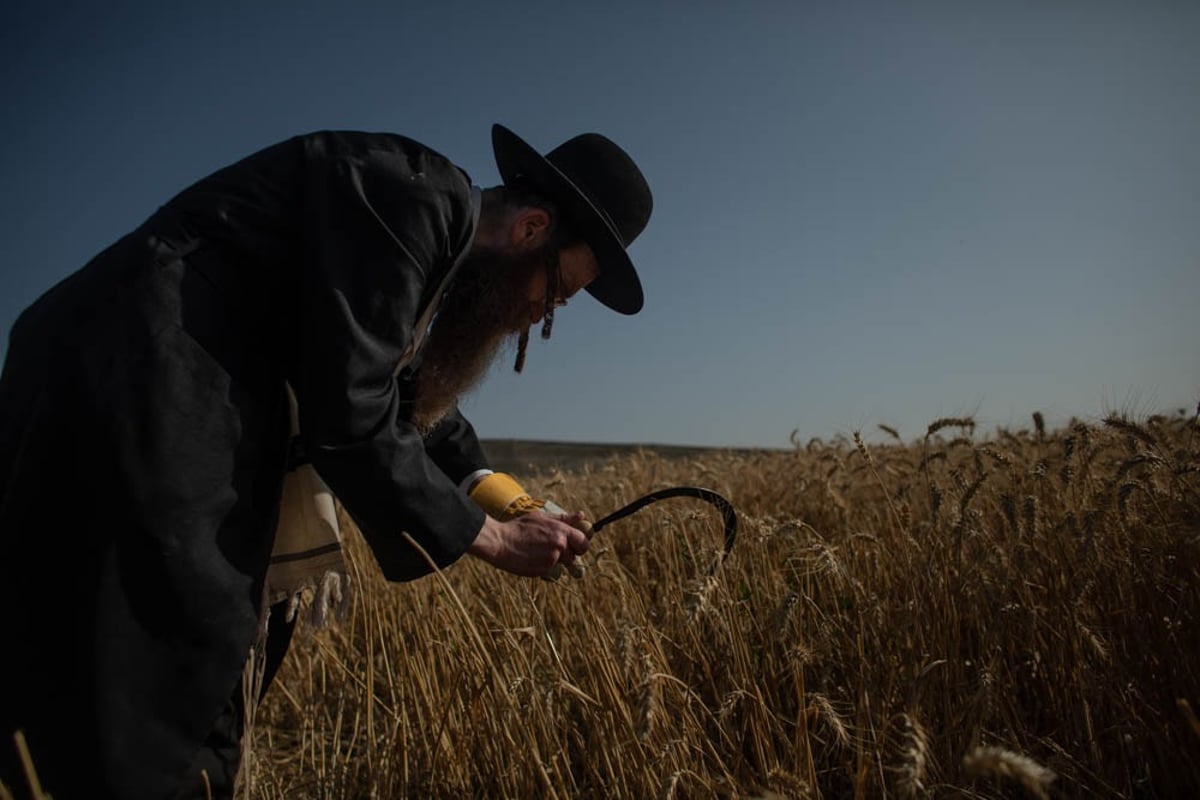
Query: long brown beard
(486, 306)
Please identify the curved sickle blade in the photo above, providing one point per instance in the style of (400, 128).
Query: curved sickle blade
(728, 515)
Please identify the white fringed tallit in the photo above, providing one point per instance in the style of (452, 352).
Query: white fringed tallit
(307, 556)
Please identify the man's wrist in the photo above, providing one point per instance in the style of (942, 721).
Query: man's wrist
(487, 543)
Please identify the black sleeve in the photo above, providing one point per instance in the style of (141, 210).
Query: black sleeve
(384, 217)
(455, 448)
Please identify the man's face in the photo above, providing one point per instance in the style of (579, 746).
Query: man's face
(577, 268)
(496, 295)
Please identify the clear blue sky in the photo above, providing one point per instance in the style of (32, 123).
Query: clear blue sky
(865, 212)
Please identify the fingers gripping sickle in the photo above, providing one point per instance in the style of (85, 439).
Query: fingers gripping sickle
(580, 523)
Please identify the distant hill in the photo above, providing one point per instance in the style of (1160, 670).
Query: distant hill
(526, 456)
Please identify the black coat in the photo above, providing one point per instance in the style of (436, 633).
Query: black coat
(143, 428)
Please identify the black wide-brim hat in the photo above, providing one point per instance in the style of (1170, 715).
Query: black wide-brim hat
(602, 195)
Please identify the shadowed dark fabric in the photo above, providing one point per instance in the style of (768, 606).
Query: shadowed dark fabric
(143, 432)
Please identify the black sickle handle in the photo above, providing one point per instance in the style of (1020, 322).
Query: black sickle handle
(728, 515)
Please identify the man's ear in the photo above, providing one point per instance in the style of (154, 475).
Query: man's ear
(530, 229)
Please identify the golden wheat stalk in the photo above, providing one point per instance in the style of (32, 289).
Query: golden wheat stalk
(1005, 763)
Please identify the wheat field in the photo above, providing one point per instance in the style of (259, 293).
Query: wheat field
(960, 615)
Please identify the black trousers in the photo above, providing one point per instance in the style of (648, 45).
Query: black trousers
(215, 769)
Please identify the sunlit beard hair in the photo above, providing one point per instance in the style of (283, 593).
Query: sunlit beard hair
(487, 305)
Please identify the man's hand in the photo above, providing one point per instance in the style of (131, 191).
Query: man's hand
(505, 501)
(532, 544)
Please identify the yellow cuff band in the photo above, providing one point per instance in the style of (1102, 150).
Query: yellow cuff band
(502, 497)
